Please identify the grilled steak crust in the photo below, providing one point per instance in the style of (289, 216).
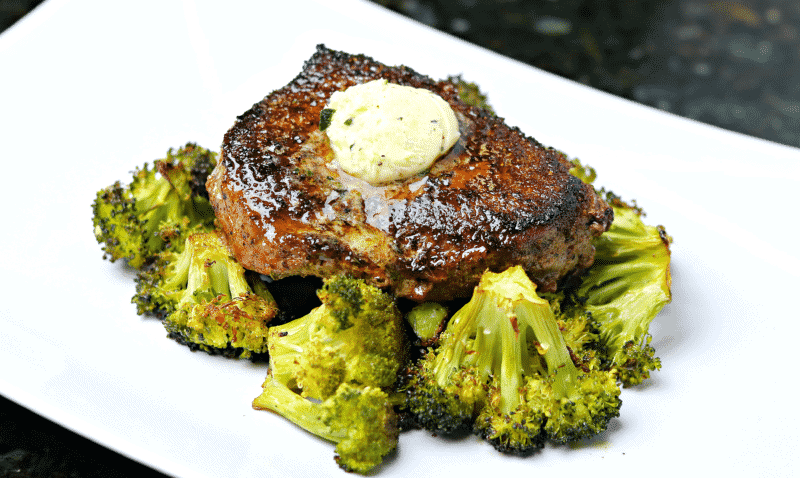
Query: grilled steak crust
(496, 199)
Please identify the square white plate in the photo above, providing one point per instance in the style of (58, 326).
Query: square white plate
(90, 89)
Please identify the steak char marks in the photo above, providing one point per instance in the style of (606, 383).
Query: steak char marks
(496, 199)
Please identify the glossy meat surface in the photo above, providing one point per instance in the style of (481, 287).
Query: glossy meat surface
(497, 199)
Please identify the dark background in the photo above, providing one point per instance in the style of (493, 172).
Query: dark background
(733, 64)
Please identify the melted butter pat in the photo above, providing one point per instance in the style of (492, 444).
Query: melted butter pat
(382, 132)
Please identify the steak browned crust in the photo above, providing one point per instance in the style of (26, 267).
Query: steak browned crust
(497, 199)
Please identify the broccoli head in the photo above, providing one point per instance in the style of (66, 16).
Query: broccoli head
(207, 299)
(516, 431)
(359, 419)
(626, 288)
(158, 209)
(508, 342)
(355, 336)
(584, 172)
(443, 403)
(470, 93)
(329, 369)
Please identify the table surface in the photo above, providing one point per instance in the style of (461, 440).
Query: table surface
(735, 65)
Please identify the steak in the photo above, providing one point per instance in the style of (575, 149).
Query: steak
(496, 199)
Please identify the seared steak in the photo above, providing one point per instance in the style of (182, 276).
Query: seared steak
(496, 199)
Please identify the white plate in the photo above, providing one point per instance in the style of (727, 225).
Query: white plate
(91, 89)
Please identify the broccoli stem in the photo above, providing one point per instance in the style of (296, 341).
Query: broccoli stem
(180, 271)
(300, 411)
(196, 278)
(218, 276)
(227, 277)
(510, 370)
(287, 342)
(205, 267)
(551, 341)
(235, 280)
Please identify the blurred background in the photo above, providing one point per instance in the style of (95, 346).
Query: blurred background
(733, 64)
(730, 63)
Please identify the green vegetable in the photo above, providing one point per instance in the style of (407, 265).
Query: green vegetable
(325, 117)
(158, 209)
(626, 288)
(355, 336)
(628, 285)
(470, 93)
(585, 173)
(502, 367)
(342, 355)
(359, 419)
(207, 299)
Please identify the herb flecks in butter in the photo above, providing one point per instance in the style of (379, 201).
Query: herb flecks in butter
(383, 132)
(325, 118)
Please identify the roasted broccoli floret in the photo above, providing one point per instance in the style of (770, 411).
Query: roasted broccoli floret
(626, 288)
(359, 419)
(502, 366)
(470, 94)
(355, 336)
(329, 371)
(583, 172)
(443, 403)
(207, 299)
(159, 208)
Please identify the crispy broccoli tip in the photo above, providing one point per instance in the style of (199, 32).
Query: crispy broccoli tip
(628, 285)
(355, 336)
(207, 299)
(514, 432)
(359, 419)
(329, 370)
(503, 366)
(626, 288)
(447, 409)
(583, 172)
(470, 93)
(159, 208)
